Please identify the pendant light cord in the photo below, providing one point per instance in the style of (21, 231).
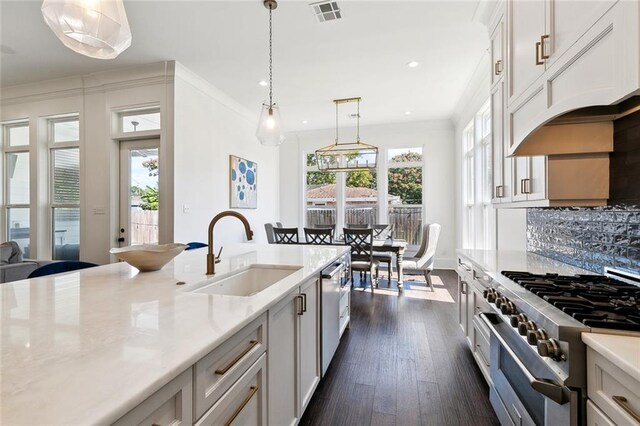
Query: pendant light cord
(336, 123)
(270, 61)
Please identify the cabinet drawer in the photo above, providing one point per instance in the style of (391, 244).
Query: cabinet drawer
(171, 405)
(344, 302)
(217, 371)
(464, 269)
(481, 340)
(595, 417)
(612, 390)
(246, 401)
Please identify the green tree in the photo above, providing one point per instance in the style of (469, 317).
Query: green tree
(406, 182)
(361, 179)
(318, 178)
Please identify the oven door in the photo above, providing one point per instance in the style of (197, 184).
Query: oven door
(524, 391)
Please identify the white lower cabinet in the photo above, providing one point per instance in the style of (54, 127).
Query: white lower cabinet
(170, 406)
(294, 353)
(245, 403)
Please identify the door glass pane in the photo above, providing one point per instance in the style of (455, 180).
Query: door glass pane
(66, 131)
(66, 233)
(19, 135)
(18, 175)
(144, 196)
(321, 195)
(361, 198)
(18, 227)
(405, 194)
(66, 176)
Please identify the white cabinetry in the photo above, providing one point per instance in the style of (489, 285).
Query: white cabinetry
(294, 355)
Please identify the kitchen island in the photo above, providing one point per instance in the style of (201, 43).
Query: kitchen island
(87, 347)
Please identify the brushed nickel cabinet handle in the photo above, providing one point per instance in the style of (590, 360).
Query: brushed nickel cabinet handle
(522, 186)
(252, 391)
(304, 302)
(624, 404)
(542, 43)
(500, 191)
(538, 48)
(234, 361)
(526, 188)
(299, 299)
(497, 68)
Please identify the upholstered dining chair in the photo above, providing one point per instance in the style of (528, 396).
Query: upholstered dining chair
(382, 232)
(286, 235)
(268, 227)
(321, 236)
(422, 263)
(361, 242)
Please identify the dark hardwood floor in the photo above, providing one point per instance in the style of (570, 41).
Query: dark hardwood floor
(404, 361)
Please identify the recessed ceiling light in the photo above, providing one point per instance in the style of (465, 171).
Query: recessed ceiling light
(407, 113)
(304, 121)
(263, 83)
(413, 64)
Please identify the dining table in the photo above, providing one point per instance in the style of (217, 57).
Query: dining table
(396, 246)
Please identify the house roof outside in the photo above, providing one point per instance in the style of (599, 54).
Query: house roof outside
(327, 193)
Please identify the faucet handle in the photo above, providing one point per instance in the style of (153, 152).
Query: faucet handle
(217, 258)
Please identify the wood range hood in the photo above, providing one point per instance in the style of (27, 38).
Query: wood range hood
(585, 131)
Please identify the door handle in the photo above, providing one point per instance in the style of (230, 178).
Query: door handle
(299, 299)
(542, 43)
(304, 302)
(538, 48)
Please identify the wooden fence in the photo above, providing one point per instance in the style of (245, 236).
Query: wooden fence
(406, 220)
(144, 226)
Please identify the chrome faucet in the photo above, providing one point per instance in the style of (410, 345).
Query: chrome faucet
(211, 259)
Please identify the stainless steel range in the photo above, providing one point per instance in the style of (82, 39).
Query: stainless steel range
(537, 357)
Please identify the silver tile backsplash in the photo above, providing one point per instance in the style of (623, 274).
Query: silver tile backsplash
(590, 238)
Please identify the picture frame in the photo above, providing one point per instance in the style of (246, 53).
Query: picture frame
(243, 183)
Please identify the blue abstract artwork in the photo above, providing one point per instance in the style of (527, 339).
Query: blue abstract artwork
(243, 183)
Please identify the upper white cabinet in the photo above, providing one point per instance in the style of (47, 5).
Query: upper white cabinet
(564, 55)
(497, 52)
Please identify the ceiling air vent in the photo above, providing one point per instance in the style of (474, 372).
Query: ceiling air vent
(326, 11)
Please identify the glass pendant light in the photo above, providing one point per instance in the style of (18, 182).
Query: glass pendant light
(94, 28)
(270, 125)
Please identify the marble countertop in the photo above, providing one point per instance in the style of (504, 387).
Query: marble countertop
(86, 347)
(495, 261)
(623, 351)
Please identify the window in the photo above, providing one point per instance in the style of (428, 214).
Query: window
(361, 198)
(65, 188)
(18, 184)
(404, 193)
(321, 200)
(139, 120)
(479, 214)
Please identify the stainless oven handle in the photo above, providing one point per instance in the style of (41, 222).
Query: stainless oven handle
(548, 388)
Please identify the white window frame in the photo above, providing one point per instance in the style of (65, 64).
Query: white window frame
(52, 147)
(6, 150)
(468, 192)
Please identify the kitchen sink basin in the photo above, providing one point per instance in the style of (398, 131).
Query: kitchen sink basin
(247, 281)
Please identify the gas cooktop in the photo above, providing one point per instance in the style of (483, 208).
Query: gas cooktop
(595, 300)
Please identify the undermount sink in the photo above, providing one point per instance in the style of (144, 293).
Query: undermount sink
(247, 281)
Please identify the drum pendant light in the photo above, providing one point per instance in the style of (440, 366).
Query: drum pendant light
(95, 28)
(270, 125)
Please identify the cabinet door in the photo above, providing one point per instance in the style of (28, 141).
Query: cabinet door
(471, 306)
(520, 174)
(309, 348)
(282, 361)
(463, 288)
(526, 27)
(497, 52)
(497, 144)
(536, 186)
(567, 21)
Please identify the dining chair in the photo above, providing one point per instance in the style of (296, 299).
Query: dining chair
(268, 227)
(286, 235)
(423, 261)
(361, 242)
(321, 236)
(382, 232)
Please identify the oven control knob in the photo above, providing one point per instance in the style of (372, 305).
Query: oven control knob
(524, 327)
(517, 319)
(550, 348)
(491, 296)
(533, 336)
(500, 300)
(507, 308)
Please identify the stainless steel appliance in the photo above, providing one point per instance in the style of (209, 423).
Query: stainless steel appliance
(332, 322)
(537, 357)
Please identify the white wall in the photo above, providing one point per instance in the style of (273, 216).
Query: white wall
(209, 126)
(437, 140)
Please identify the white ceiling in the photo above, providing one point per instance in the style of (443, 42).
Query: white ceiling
(364, 54)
